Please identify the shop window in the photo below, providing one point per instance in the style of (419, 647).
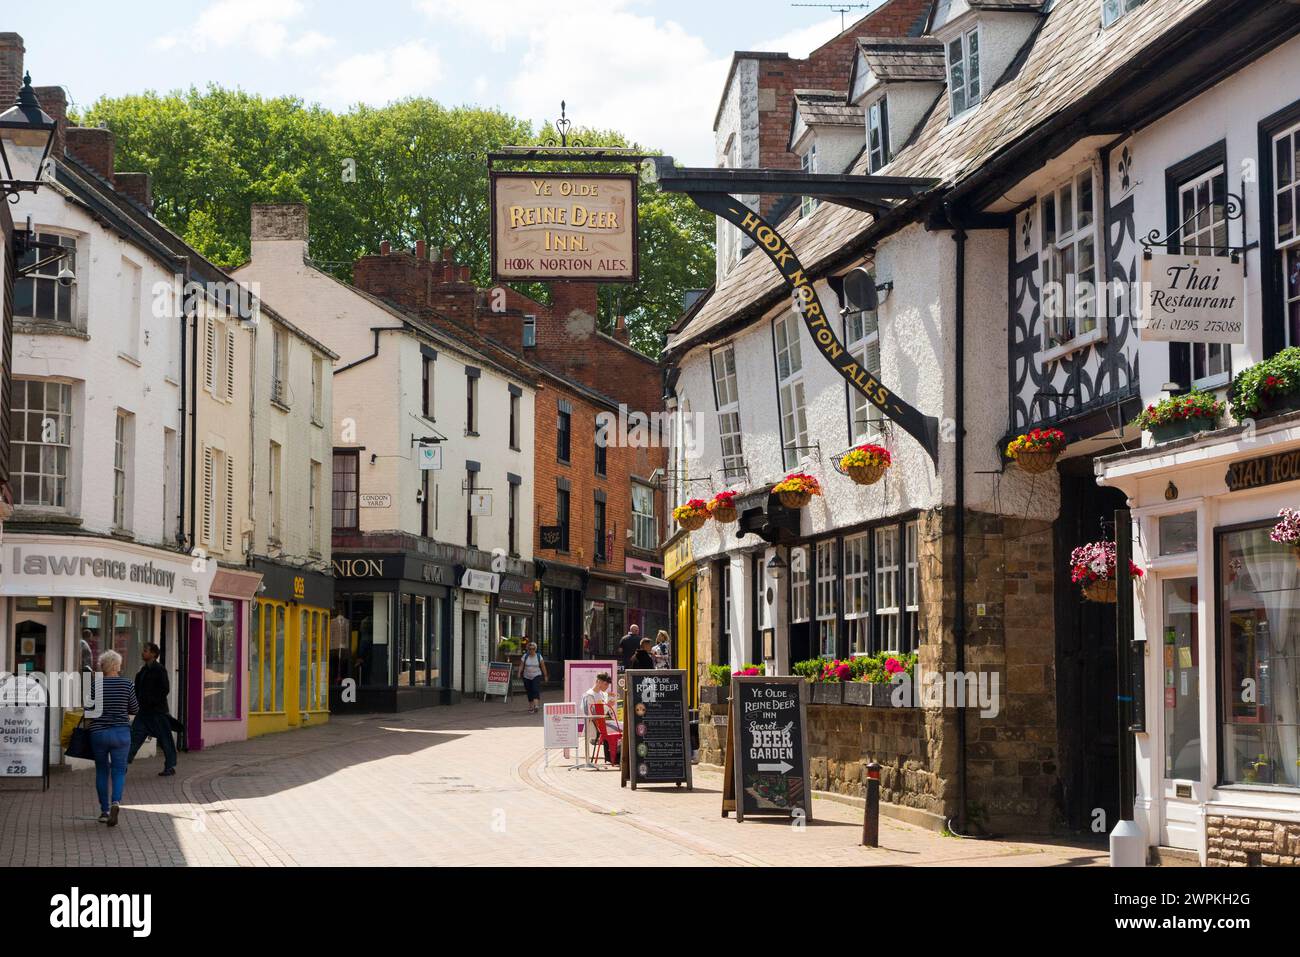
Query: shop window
(105, 625)
(790, 390)
(221, 661)
(266, 658)
(1181, 672)
(1177, 533)
(726, 394)
(359, 645)
(827, 609)
(41, 417)
(912, 583)
(1259, 594)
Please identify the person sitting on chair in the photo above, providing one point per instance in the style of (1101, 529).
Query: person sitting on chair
(597, 694)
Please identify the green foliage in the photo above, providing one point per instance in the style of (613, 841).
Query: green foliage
(720, 675)
(421, 174)
(1177, 408)
(1255, 388)
(869, 668)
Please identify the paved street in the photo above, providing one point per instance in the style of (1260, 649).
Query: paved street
(455, 786)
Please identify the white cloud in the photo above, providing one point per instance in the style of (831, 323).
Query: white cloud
(801, 42)
(263, 26)
(381, 76)
(648, 78)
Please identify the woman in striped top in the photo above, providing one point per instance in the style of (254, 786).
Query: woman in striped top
(110, 734)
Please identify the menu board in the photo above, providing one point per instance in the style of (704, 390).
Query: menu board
(770, 747)
(658, 735)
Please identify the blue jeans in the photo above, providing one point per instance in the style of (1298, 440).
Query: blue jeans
(111, 746)
(158, 727)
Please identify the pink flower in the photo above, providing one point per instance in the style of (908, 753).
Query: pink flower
(894, 666)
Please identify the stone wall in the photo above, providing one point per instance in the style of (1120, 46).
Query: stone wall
(1251, 842)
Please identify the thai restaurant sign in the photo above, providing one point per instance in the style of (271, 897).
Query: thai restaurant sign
(548, 226)
(1193, 299)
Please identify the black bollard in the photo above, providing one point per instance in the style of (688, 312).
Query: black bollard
(871, 818)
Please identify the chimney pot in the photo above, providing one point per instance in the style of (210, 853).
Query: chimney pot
(385, 248)
(447, 255)
(419, 249)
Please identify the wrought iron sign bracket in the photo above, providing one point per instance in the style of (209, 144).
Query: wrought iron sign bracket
(1234, 208)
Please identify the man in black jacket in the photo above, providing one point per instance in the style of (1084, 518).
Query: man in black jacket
(153, 721)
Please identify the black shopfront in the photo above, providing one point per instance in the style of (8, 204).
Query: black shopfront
(560, 612)
(390, 638)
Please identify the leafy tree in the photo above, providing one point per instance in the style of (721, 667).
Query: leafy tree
(420, 174)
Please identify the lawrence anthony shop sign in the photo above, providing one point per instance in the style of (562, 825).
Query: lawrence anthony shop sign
(1265, 470)
(549, 226)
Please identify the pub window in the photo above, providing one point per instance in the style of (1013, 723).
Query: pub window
(1112, 10)
(888, 607)
(862, 337)
(808, 163)
(1286, 204)
(1204, 232)
(345, 488)
(826, 603)
(800, 586)
(644, 531)
(857, 592)
(790, 390)
(727, 396)
(964, 72)
(877, 135)
(601, 440)
(1259, 628)
(1068, 218)
(39, 295)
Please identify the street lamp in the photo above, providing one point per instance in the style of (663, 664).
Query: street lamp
(26, 134)
(777, 567)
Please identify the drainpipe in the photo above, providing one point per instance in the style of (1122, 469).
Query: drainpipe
(184, 263)
(959, 386)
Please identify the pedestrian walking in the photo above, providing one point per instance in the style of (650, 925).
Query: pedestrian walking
(532, 668)
(661, 650)
(110, 734)
(154, 721)
(628, 646)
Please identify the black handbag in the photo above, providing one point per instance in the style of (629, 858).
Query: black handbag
(79, 743)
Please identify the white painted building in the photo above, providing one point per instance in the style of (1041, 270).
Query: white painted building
(405, 390)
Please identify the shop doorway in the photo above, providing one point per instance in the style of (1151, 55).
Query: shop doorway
(31, 641)
(192, 704)
(1086, 685)
(469, 652)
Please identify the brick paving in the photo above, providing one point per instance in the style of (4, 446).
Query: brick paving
(465, 785)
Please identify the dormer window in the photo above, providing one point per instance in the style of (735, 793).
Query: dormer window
(877, 135)
(1112, 10)
(808, 163)
(964, 71)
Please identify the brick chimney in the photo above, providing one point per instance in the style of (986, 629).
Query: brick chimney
(568, 297)
(54, 102)
(398, 277)
(136, 186)
(96, 147)
(620, 329)
(11, 69)
(452, 294)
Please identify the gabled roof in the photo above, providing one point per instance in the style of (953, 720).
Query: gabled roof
(1070, 59)
(1011, 6)
(900, 59)
(825, 108)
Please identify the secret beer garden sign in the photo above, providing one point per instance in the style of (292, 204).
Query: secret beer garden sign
(767, 749)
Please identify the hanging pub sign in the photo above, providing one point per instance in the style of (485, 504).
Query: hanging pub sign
(1192, 299)
(549, 226)
(552, 536)
(766, 765)
(656, 728)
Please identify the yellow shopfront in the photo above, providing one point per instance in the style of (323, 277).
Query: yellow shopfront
(288, 650)
(679, 569)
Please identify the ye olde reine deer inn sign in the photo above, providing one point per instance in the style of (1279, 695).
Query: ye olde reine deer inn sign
(564, 226)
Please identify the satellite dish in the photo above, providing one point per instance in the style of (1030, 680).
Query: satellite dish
(860, 291)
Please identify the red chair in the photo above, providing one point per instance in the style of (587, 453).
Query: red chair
(603, 735)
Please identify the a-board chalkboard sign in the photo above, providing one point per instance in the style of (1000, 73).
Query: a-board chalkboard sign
(656, 728)
(768, 748)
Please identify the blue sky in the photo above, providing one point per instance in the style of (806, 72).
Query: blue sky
(651, 68)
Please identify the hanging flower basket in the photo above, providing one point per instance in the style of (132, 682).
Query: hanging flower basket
(866, 464)
(1037, 450)
(1092, 567)
(692, 515)
(722, 507)
(797, 489)
(1287, 530)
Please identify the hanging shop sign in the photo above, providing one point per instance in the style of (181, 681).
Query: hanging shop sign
(657, 730)
(923, 428)
(552, 536)
(475, 580)
(516, 595)
(429, 457)
(1264, 470)
(480, 503)
(766, 766)
(549, 226)
(1193, 299)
